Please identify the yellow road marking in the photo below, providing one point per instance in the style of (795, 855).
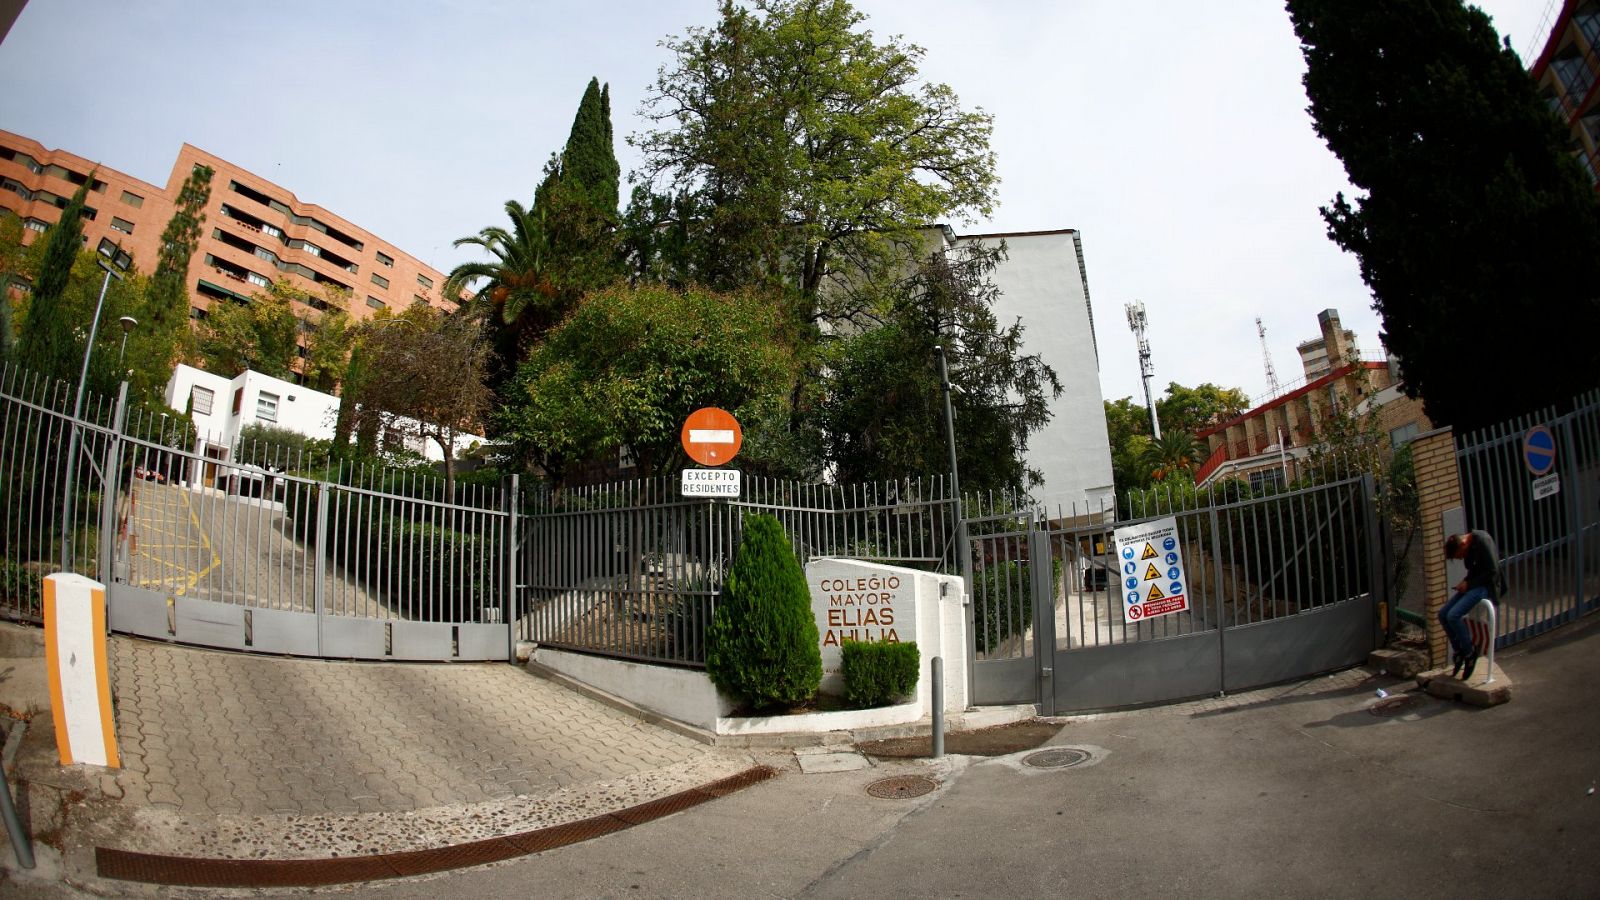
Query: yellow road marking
(205, 544)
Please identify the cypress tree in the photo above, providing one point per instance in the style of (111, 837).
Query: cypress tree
(164, 323)
(762, 644)
(1478, 235)
(49, 346)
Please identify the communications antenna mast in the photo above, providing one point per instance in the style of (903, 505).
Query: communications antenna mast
(1138, 322)
(1266, 356)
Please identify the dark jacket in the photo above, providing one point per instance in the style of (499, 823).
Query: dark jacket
(1483, 564)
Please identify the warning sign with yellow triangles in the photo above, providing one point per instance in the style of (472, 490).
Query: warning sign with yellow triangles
(1149, 557)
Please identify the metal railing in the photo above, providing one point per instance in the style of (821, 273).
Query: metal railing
(632, 570)
(1550, 546)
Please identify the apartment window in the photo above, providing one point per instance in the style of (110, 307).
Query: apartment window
(33, 224)
(1574, 72)
(375, 303)
(267, 407)
(271, 230)
(257, 280)
(425, 281)
(1399, 437)
(1262, 479)
(16, 188)
(418, 299)
(122, 225)
(132, 199)
(385, 259)
(267, 255)
(196, 313)
(200, 400)
(379, 280)
(311, 248)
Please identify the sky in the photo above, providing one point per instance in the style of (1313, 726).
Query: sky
(1172, 135)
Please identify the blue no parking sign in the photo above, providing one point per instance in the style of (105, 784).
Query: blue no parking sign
(1539, 450)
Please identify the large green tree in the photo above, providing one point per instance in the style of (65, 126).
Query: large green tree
(1195, 409)
(631, 363)
(50, 345)
(12, 256)
(1476, 232)
(164, 334)
(1128, 430)
(882, 415)
(806, 150)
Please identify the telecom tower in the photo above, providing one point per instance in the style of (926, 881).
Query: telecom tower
(1138, 322)
(1266, 356)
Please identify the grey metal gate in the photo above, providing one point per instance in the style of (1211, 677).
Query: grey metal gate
(1549, 541)
(1280, 587)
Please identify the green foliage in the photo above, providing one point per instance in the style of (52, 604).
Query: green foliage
(1003, 593)
(794, 145)
(259, 335)
(1175, 453)
(877, 672)
(1446, 137)
(762, 645)
(50, 346)
(1128, 430)
(271, 445)
(21, 588)
(632, 362)
(1198, 408)
(883, 410)
(12, 256)
(164, 335)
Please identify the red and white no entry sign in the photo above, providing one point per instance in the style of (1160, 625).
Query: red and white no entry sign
(712, 436)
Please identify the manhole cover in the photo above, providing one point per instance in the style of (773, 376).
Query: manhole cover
(901, 787)
(1056, 758)
(1393, 706)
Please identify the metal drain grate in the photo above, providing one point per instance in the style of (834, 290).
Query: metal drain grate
(901, 787)
(1394, 706)
(1056, 758)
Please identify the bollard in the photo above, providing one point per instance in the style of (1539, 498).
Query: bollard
(938, 707)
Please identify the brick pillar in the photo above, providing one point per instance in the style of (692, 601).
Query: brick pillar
(1438, 489)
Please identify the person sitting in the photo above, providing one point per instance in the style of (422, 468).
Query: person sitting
(1478, 551)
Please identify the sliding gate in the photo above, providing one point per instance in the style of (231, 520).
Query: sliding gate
(1280, 587)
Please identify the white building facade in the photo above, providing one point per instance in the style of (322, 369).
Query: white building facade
(1043, 283)
(223, 407)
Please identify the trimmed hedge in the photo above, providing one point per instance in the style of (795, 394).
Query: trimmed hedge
(876, 673)
(762, 644)
(1003, 596)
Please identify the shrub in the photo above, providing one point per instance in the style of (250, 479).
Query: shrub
(762, 644)
(878, 672)
(21, 588)
(1003, 594)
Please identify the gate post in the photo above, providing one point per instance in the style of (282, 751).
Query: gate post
(1221, 606)
(510, 602)
(1377, 560)
(1041, 569)
(1433, 456)
(320, 586)
(110, 486)
(1574, 486)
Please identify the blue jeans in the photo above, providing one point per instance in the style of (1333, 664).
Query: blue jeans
(1455, 609)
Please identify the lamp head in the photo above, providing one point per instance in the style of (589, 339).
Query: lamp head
(128, 323)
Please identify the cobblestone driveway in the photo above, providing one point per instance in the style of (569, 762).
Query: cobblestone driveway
(205, 732)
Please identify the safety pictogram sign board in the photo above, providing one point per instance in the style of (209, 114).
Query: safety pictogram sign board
(1153, 582)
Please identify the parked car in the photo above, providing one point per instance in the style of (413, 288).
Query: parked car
(149, 475)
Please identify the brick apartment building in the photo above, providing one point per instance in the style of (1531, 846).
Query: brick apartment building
(1266, 443)
(255, 232)
(1568, 75)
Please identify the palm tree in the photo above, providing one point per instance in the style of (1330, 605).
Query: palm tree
(1175, 451)
(515, 282)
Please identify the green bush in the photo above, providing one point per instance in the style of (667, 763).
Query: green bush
(1003, 594)
(877, 672)
(21, 588)
(762, 644)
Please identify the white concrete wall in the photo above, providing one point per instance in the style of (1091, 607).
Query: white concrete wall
(1042, 282)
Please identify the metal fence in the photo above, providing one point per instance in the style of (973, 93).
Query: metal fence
(633, 570)
(1549, 543)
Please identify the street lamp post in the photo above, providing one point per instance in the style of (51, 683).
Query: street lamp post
(128, 323)
(115, 260)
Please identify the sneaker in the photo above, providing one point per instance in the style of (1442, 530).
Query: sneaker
(1455, 670)
(1472, 663)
